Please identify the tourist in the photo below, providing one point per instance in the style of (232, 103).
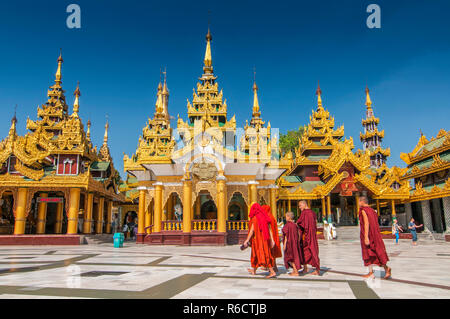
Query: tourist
(307, 223)
(396, 229)
(412, 228)
(372, 245)
(276, 250)
(291, 245)
(260, 239)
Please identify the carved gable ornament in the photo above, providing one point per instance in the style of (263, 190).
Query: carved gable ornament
(204, 171)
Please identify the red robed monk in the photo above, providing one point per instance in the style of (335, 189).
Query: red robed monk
(372, 245)
(261, 241)
(276, 250)
(308, 237)
(291, 245)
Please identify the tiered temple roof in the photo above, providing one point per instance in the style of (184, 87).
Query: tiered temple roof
(429, 167)
(372, 137)
(57, 151)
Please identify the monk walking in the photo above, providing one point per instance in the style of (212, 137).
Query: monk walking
(261, 238)
(276, 250)
(291, 245)
(307, 224)
(372, 245)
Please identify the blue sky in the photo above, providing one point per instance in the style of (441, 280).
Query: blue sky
(121, 46)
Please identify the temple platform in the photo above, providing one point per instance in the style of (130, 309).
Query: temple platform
(39, 240)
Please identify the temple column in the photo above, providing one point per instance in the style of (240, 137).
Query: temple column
(170, 207)
(158, 207)
(426, 215)
(289, 205)
(108, 216)
(408, 211)
(74, 207)
(221, 201)
(141, 211)
(328, 207)
(273, 201)
(20, 215)
(198, 207)
(253, 194)
(324, 213)
(101, 210)
(437, 211)
(357, 208)
(147, 219)
(284, 208)
(187, 206)
(42, 215)
(59, 217)
(378, 207)
(446, 207)
(394, 213)
(89, 213)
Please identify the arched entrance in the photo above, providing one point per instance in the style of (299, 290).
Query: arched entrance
(208, 210)
(237, 208)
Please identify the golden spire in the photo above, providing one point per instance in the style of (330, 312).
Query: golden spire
(319, 97)
(76, 104)
(208, 58)
(88, 132)
(255, 99)
(165, 97)
(58, 75)
(12, 130)
(105, 138)
(368, 101)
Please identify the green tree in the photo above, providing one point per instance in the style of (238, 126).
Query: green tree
(289, 141)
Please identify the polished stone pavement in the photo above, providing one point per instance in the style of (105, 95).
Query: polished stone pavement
(137, 271)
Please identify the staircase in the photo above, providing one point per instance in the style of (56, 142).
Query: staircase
(96, 239)
(347, 233)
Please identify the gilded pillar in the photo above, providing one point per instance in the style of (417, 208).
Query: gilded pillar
(42, 215)
(148, 219)
(198, 206)
(59, 217)
(394, 214)
(141, 212)
(108, 216)
(170, 207)
(89, 213)
(329, 207)
(284, 208)
(253, 192)
(289, 206)
(74, 207)
(20, 215)
(378, 207)
(357, 208)
(158, 207)
(273, 201)
(187, 205)
(324, 212)
(101, 210)
(221, 209)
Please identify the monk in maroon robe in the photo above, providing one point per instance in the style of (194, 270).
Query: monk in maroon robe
(307, 224)
(291, 245)
(372, 245)
(260, 238)
(276, 250)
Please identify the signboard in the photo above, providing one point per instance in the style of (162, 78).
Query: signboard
(50, 199)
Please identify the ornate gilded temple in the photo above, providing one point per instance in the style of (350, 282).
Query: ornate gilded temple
(196, 186)
(52, 179)
(429, 171)
(325, 171)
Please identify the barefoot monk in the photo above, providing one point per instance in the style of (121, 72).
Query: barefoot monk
(307, 224)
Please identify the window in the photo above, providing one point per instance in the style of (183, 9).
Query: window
(68, 165)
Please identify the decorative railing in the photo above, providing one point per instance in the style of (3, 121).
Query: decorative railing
(237, 225)
(204, 224)
(172, 225)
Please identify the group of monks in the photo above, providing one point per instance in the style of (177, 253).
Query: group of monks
(300, 246)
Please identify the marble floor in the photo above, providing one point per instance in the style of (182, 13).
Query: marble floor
(137, 271)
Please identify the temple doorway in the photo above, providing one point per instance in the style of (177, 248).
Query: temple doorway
(208, 210)
(237, 208)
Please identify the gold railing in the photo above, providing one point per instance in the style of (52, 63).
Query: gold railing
(237, 225)
(172, 225)
(204, 224)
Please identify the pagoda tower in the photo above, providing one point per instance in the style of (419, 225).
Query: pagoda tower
(372, 137)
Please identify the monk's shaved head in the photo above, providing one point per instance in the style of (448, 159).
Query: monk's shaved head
(364, 199)
(290, 215)
(303, 204)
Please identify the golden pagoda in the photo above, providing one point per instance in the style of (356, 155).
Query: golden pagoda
(52, 179)
(372, 138)
(429, 172)
(196, 186)
(326, 172)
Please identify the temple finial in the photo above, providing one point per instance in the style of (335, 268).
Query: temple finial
(368, 101)
(88, 132)
(255, 94)
(208, 58)
(58, 75)
(12, 130)
(76, 104)
(319, 95)
(105, 138)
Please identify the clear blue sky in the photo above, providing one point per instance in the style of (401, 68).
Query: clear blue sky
(118, 53)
